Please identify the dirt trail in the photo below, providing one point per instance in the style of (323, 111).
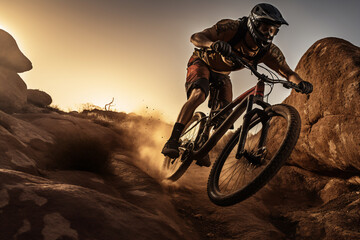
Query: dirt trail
(190, 199)
(293, 205)
(246, 220)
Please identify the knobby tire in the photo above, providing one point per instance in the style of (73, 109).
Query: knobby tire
(291, 135)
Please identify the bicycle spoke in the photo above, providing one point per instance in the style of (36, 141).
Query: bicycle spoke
(227, 182)
(229, 177)
(244, 173)
(228, 168)
(237, 173)
(234, 172)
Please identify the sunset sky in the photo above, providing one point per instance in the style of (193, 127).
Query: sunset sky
(89, 51)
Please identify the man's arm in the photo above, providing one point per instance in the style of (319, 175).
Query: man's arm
(275, 60)
(223, 30)
(202, 39)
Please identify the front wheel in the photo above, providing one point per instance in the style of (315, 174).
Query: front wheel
(269, 142)
(174, 168)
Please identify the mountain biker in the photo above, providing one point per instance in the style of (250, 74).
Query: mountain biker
(251, 38)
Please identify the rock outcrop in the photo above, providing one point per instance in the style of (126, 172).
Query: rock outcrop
(330, 136)
(13, 96)
(38, 98)
(317, 196)
(10, 55)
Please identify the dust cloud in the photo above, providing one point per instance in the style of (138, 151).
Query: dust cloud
(141, 137)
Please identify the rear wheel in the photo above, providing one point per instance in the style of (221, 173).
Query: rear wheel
(269, 142)
(174, 168)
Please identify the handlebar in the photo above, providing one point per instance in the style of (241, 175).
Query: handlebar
(286, 84)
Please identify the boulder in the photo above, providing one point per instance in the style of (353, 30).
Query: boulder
(13, 95)
(330, 135)
(10, 55)
(38, 98)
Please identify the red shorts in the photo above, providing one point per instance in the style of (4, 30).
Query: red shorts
(200, 76)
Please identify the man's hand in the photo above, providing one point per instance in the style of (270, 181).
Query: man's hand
(221, 47)
(305, 87)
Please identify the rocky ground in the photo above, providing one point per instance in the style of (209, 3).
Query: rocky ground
(296, 204)
(129, 199)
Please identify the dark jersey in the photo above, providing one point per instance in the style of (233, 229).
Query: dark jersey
(225, 30)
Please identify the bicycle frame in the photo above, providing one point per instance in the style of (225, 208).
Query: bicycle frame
(243, 102)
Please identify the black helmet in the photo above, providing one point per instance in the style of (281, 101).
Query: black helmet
(263, 13)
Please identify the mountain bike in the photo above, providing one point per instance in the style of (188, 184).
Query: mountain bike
(252, 155)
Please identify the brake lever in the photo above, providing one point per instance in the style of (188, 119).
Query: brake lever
(289, 85)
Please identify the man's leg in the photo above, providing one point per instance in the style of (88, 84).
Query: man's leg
(225, 95)
(197, 97)
(197, 89)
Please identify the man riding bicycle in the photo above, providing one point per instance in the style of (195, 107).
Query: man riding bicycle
(249, 37)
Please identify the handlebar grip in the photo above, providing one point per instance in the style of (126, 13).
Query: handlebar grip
(289, 85)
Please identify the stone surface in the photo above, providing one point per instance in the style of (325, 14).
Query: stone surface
(38, 98)
(330, 136)
(40, 208)
(307, 205)
(13, 95)
(10, 55)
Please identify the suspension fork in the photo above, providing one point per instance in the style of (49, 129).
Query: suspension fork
(245, 126)
(250, 112)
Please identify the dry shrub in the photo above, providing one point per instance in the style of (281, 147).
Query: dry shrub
(82, 153)
(88, 107)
